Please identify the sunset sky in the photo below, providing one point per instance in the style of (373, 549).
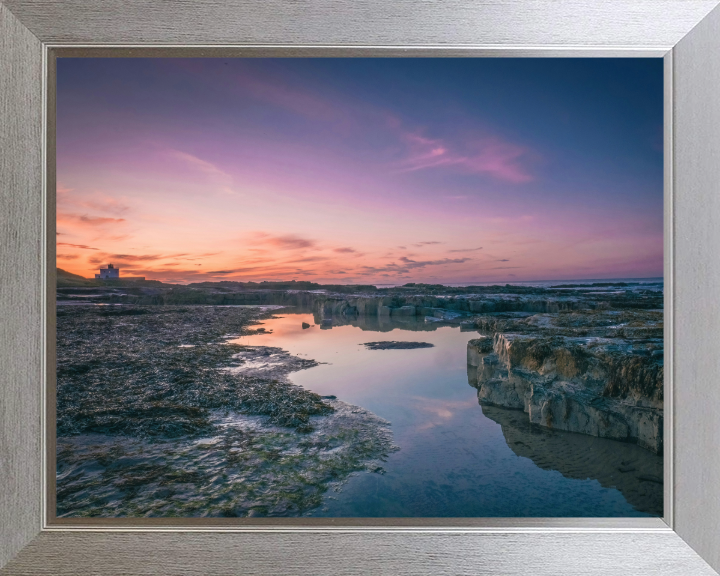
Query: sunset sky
(372, 171)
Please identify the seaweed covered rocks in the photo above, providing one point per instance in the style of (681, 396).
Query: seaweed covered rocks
(243, 468)
(158, 371)
(152, 380)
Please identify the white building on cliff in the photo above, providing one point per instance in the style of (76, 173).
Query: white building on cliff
(108, 271)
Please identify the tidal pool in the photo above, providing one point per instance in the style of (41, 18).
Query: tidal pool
(456, 458)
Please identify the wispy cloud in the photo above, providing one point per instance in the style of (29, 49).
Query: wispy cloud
(130, 259)
(263, 85)
(106, 204)
(293, 98)
(210, 170)
(466, 249)
(99, 220)
(284, 242)
(81, 246)
(113, 238)
(86, 220)
(491, 156)
(306, 260)
(407, 264)
(486, 154)
(198, 256)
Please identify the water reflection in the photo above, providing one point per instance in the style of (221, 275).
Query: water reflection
(455, 460)
(635, 472)
(374, 323)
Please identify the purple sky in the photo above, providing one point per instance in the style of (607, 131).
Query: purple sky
(361, 170)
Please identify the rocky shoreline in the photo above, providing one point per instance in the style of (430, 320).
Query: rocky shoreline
(159, 414)
(586, 359)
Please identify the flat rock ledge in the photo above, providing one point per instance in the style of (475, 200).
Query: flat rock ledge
(607, 382)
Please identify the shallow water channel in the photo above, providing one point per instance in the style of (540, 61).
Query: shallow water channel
(456, 458)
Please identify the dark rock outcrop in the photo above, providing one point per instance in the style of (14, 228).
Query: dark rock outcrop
(393, 345)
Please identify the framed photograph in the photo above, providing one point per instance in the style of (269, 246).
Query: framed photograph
(433, 293)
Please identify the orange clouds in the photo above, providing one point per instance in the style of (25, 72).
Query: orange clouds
(285, 242)
(106, 204)
(82, 246)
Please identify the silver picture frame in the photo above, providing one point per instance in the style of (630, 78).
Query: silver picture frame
(685, 33)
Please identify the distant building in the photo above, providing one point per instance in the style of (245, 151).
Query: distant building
(108, 271)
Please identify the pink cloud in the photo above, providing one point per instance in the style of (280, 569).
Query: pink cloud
(106, 204)
(466, 249)
(488, 155)
(284, 242)
(70, 201)
(270, 89)
(291, 98)
(407, 265)
(81, 246)
(211, 171)
(85, 220)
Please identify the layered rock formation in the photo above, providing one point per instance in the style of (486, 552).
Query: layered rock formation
(594, 372)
